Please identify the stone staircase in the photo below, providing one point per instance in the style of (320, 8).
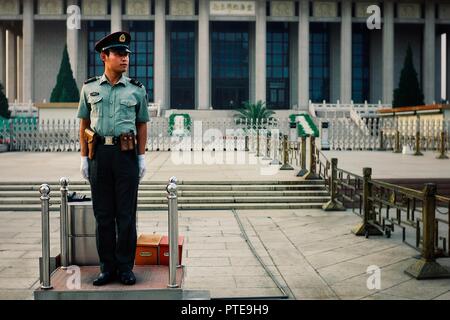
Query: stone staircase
(192, 195)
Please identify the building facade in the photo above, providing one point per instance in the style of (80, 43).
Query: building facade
(201, 54)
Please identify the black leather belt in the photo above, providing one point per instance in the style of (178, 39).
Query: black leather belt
(108, 140)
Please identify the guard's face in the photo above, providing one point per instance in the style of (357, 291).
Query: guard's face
(117, 60)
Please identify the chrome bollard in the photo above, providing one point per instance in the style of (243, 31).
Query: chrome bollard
(45, 198)
(64, 182)
(174, 180)
(173, 232)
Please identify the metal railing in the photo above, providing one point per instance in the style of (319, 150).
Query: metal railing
(213, 134)
(389, 134)
(420, 215)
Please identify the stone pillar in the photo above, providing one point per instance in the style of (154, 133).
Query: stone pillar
(388, 52)
(72, 40)
(346, 53)
(448, 67)
(28, 50)
(335, 65)
(20, 75)
(203, 63)
(303, 55)
(429, 47)
(260, 51)
(11, 71)
(116, 15)
(3, 56)
(160, 53)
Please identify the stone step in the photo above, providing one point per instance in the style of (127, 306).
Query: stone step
(55, 188)
(190, 206)
(183, 193)
(163, 200)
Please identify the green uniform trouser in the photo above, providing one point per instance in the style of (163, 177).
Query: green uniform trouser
(114, 180)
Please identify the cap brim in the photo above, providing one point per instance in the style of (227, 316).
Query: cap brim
(117, 47)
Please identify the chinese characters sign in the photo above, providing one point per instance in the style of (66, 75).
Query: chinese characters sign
(232, 8)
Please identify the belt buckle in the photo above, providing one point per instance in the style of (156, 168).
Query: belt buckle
(109, 141)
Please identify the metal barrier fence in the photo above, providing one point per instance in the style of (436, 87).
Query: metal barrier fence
(214, 134)
(388, 134)
(420, 215)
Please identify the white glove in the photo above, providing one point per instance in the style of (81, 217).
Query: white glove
(142, 167)
(84, 168)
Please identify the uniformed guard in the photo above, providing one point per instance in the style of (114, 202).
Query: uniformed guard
(114, 107)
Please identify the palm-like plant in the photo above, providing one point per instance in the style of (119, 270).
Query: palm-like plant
(253, 113)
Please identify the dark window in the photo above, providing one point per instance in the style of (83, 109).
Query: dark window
(277, 62)
(360, 64)
(319, 62)
(182, 65)
(96, 31)
(230, 73)
(141, 57)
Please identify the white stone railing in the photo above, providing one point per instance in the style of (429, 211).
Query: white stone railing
(380, 133)
(154, 109)
(23, 109)
(342, 110)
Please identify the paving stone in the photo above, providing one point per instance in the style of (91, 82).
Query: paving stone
(16, 294)
(314, 293)
(19, 272)
(444, 296)
(341, 271)
(17, 283)
(220, 261)
(11, 254)
(254, 282)
(321, 260)
(420, 289)
(245, 293)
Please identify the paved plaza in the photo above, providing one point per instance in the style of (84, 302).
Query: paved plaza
(310, 253)
(226, 166)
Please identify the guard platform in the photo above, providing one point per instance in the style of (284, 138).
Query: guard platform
(69, 275)
(151, 284)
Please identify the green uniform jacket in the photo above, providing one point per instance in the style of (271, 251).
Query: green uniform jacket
(113, 109)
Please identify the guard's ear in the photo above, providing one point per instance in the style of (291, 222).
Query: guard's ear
(103, 56)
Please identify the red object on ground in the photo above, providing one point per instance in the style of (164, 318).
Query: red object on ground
(147, 249)
(164, 250)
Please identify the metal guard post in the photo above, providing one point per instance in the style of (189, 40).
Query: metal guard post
(173, 231)
(45, 199)
(64, 182)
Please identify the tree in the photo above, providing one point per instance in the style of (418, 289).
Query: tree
(408, 92)
(253, 112)
(4, 112)
(66, 89)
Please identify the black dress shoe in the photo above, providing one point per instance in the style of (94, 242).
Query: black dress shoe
(127, 278)
(104, 278)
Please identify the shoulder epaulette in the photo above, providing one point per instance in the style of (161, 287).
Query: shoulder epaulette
(136, 83)
(91, 80)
